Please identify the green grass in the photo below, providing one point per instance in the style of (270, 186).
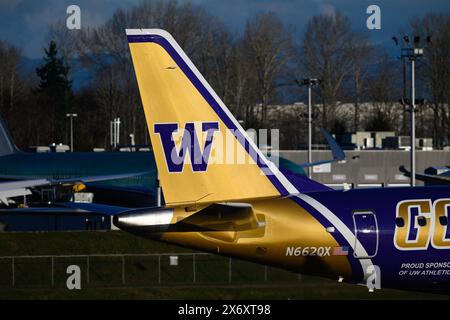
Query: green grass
(249, 280)
(83, 242)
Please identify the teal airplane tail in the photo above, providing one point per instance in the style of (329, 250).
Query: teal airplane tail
(7, 145)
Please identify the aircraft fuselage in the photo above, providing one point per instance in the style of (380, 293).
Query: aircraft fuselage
(343, 234)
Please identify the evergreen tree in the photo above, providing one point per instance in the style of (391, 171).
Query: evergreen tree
(55, 93)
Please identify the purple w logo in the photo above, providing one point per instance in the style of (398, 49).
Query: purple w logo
(189, 144)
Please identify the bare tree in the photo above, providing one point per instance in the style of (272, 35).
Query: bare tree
(327, 54)
(384, 113)
(244, 95)
(17, 102)
(215, 57)
(9, 80)
(267, 46)
(362, 59)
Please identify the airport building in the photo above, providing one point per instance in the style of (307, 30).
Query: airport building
(369, 168)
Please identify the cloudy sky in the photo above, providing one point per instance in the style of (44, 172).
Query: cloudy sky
(24, 23)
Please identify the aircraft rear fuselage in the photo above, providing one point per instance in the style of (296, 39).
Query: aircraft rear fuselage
(337, 234)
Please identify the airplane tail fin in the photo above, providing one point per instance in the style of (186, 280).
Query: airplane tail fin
(202, 153)
(7, 145)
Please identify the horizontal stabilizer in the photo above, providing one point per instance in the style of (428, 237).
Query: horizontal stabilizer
(94, 208)
(427, 178)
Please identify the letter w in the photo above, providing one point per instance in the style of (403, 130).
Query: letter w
(189, 144)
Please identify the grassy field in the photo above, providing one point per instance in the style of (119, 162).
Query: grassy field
(83, 242)
(142, 280)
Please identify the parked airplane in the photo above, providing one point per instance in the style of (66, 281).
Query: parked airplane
(124, 188)
(252, 211)
(429, 179)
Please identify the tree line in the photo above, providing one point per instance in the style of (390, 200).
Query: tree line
(251, 72)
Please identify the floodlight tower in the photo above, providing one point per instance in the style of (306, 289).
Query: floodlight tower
(71, 116)
(412, 51)
(310, 82)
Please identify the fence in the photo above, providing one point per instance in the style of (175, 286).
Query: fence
(137, 270)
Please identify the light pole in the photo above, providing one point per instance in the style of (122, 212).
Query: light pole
(310, 82)
(413, 124)
(115, 132)
(71, 116)
(412, 52)
(132, 142)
